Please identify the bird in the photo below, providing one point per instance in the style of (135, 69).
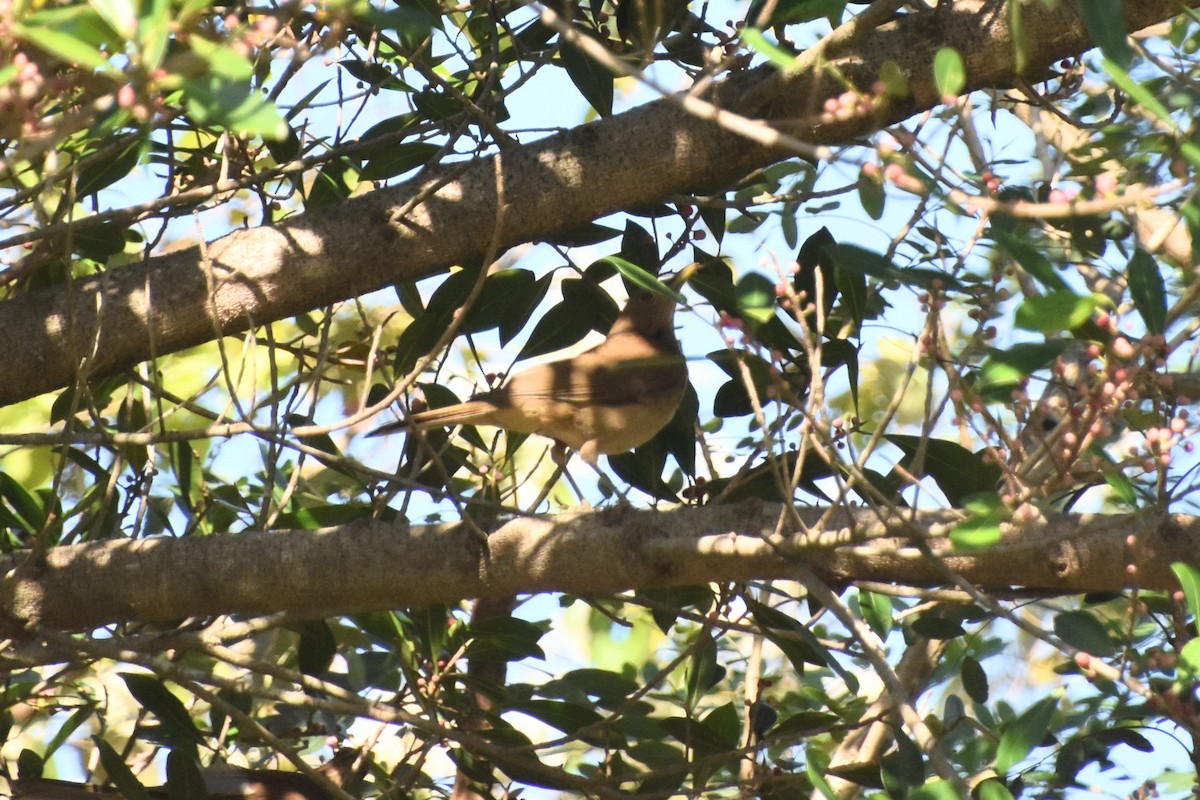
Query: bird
(606, 400)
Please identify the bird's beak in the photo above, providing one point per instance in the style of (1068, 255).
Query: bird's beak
(684, 275)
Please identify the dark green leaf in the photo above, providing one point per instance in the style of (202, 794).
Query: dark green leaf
(1082, 630)
(603, 684)
(1148, 290)
(562, 326)
(69, 726)
(509, 638)
(184, 781)
(903, 769)
(714, 217)
(98, 242)
(317, 647)
(119, 772)
(1105, 24)
(974, 679)
(583, 235)
(858, 260)
(398, 159)
(639, 247)
(723, 723)
(756, 298)
(932, 626)
(517, 312)
(99, 174)
(332, 184)
(593, 80)
(876, 610)
(425, 330)
(1024, 733)
(957, 471)
(871, 194)
(152, 694)
(568, 718)
(788, 634)
(1004, 370)
(702, 672)
(1030, 259)
(30, 765)
(705, 740)
(939, 789)
(804, 724)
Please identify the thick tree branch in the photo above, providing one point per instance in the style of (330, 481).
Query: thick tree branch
(252, 277)
(373, 565)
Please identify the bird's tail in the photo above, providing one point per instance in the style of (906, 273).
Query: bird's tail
(459, 413)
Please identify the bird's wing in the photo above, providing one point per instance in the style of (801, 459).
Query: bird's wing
(593, 378)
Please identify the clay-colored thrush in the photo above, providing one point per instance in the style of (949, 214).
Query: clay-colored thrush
(609, 399)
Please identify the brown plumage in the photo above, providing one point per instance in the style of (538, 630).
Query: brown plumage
(609, 399)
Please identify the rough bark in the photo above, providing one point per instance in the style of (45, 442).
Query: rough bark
(373, 565)
(256, 276)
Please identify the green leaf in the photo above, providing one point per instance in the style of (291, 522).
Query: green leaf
(427, 328)
(703, 672)
(1030, 259)
(562, 326)
(858, 260)
(949, 74)
(938, 789)
(1138, 92)
(1189, 662)
(871, 195)
(1025, 733)
(1004, 370)
(212, 99)
(974, 679)
(1189, 580)
(97, 175)
(57, 42)
(773, 53)
(184, 781)
(398, 159)
(756, 298)
(317, 647)
(992, 788)
(933, 626)
(605, 685)
(119, 772)
(568, 718)
(153, 695)
(1060, 310)
(804, 724)
(957, 471)
(641, 278)
(64, 732)
(1105, 24)
(593, 80)
(508, 638)
(815, 768)
(639, 247)
(876, 610)
(1082, 630)
(153, 31)
(121, 16)
(1148, 290)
